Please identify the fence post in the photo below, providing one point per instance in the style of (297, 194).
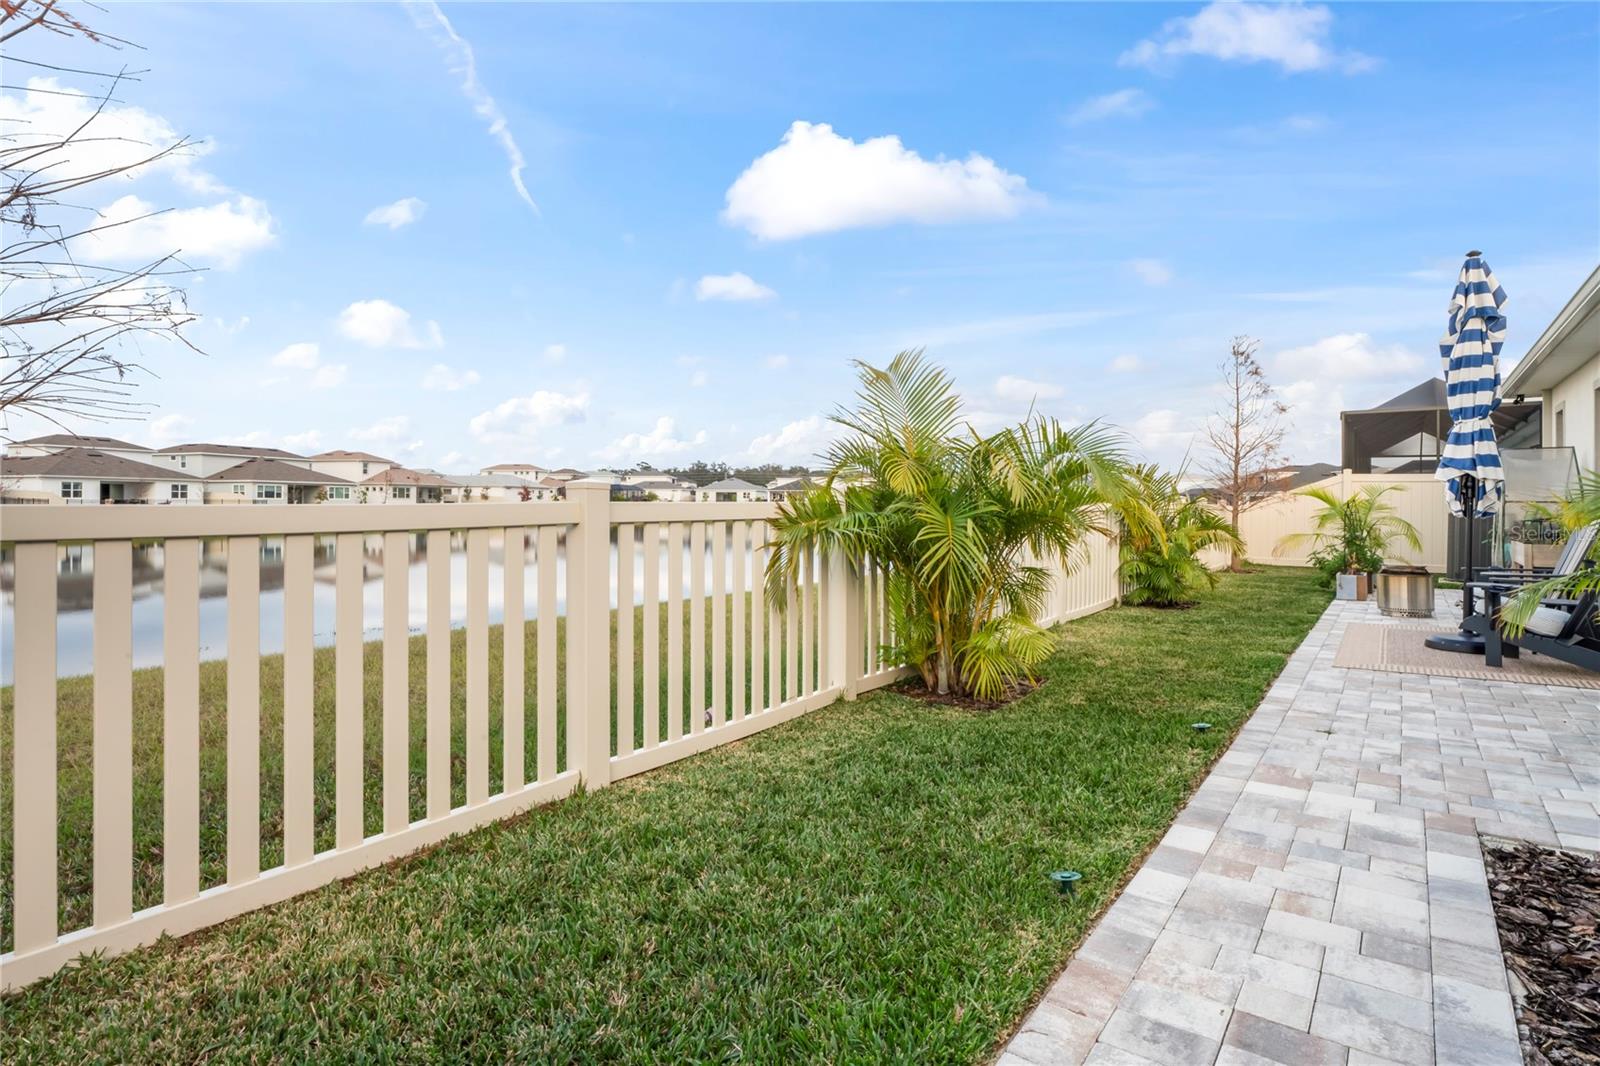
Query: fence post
(589, 623)
(844, 625)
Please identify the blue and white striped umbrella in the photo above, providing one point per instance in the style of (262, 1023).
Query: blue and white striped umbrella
(1470, 349)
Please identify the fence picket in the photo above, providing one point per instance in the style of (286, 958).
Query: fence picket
(513, 650)
(180, 720)
(349, 696)
(545, 737)
(477, 666)
(244, 709)
(625, 675)
(674, 631)
(438, 710)
(396, 682)
(113, 731)
(651, 609)
(741, 534)
(758, 617)
(719, 622)
(697, 626)
(299, 784)
(33, 774)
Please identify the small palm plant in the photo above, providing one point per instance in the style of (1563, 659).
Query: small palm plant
(1351, 535)
(1575, 508)
(962, 523)
(1160, 559)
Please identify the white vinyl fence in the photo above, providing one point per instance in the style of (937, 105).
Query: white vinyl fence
(1419, 499)
(624, 708)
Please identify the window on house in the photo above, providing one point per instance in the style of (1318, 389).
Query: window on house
(180, 492)
(238, 490)
(338, 492)
(402, 492)
(269, 492)
(727, 497)
(363, 469)
(72, 490)
(183, 460)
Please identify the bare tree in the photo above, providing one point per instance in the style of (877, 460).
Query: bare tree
(71, 332)
(1245, 435)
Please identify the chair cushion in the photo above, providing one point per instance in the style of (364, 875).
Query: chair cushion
(1548, 621)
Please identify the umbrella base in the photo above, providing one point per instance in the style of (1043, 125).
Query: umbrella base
(1465, 643)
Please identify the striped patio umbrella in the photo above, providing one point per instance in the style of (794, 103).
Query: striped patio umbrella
(1470, 349)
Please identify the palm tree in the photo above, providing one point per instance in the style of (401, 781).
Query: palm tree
(1160, 560)
(963, 523)
(1351, 535)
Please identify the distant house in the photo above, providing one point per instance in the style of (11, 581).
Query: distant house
(664, 488)
(399, 485)
(783, 487)
(351, 466)
(564, 475)
(88, 475)
(268, 481)
(203, 460)
(526, 471)
(503, 488)
(549, 488)
(60, 442)
(730, 490)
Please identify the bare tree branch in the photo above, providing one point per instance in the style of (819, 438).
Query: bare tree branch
(73, 335)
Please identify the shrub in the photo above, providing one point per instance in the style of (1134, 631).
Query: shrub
(1163, 534)
(961, 521)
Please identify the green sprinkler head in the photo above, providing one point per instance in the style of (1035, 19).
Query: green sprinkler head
(1066, 881)
(1200, 727)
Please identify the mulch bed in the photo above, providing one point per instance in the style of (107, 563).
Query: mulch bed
(1547, 905)
(914, 688)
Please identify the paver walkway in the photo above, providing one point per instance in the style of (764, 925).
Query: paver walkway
(1322, 898)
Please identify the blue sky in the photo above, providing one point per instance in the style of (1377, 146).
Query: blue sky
(1079, 208)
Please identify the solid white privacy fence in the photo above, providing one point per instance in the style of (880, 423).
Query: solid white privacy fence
(698, 654)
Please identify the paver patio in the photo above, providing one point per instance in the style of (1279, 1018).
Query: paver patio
(1322, 898)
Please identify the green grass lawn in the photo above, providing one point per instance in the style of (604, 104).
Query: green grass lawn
(867, 882)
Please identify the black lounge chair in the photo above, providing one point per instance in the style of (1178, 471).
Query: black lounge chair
(1573, 556)
(1562, 629)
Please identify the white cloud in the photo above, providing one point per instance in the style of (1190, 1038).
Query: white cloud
(329, 376)
(736, 286)
(1151, 271)
(441, 378)
(1163, 430)
(777, 362)
(522, 417)
(381, 324)
(698, 379)
(555, 353)
(661, 442)
(307, 443)
(1124, 103)
(463, 63)
(1125, 364)
(799, 441)
(398, 214)
(385, 431)
(1021, 390)
(1348, 356)
(305, 355)
(223, 233)
(818, 182)
(167, 430)
(1294, 36)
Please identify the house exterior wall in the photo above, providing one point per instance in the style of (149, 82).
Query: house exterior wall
(148, 492)
(1570, 415)
(348, 469)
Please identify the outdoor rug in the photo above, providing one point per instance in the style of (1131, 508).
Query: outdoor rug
(1399, 649)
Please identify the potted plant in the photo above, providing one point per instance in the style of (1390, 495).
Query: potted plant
(1349, 537)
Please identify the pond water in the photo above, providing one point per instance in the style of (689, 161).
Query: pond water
(75, 593)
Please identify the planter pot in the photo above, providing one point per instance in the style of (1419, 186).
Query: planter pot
(1351, 586)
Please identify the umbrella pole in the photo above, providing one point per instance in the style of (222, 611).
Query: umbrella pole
(1462, 641)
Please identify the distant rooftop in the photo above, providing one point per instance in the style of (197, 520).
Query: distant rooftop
(228, 449)
(259, 468)
(73, 440)
(732, 484)
(90, 463)
(339, 456)
(399, 475)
